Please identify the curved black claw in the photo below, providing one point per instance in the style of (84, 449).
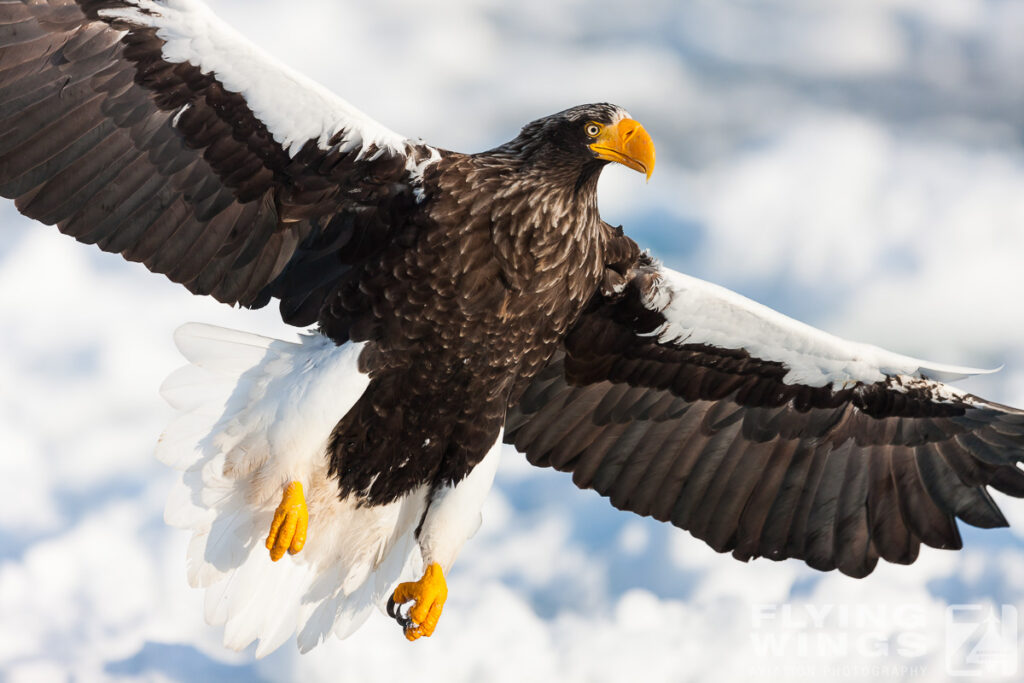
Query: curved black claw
(395, 612)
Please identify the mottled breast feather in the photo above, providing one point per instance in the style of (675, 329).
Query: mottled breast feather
(469, 301)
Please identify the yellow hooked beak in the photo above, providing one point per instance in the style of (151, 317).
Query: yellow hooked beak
(627, 143)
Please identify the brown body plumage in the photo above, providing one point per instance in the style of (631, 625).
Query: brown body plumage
(468, 303)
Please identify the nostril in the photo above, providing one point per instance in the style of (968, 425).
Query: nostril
(628, 134)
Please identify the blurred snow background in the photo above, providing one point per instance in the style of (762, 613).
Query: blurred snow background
(859, 165)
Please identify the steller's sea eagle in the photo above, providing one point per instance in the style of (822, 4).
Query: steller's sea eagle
(459, 300)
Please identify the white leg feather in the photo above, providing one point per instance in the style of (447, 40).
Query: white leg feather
(454, 512)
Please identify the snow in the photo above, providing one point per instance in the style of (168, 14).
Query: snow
(875, 194)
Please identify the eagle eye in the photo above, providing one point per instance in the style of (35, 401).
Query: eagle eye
(593, 129)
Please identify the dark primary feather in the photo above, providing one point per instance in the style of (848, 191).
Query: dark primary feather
(716, 442)
(158, 162)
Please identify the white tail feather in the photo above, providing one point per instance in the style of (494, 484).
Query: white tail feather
(226, 352)
(256, 413)
(193, 389)
(180, 446)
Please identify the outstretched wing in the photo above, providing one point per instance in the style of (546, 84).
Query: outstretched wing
(153, 130)
(689, 403)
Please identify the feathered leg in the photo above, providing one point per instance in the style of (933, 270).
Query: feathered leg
(451, 518)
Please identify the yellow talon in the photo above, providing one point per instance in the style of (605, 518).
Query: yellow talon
(288, 530)
(429, 594)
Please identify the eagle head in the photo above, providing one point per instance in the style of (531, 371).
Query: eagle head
(586, 138)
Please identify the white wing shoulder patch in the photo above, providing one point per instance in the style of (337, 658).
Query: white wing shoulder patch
(701, 313)
(294, 108)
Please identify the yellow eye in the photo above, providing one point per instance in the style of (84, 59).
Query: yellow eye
(593, 129)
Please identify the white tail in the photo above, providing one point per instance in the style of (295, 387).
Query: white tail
(254, 414)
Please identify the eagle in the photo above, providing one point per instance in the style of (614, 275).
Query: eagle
(455, 302)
